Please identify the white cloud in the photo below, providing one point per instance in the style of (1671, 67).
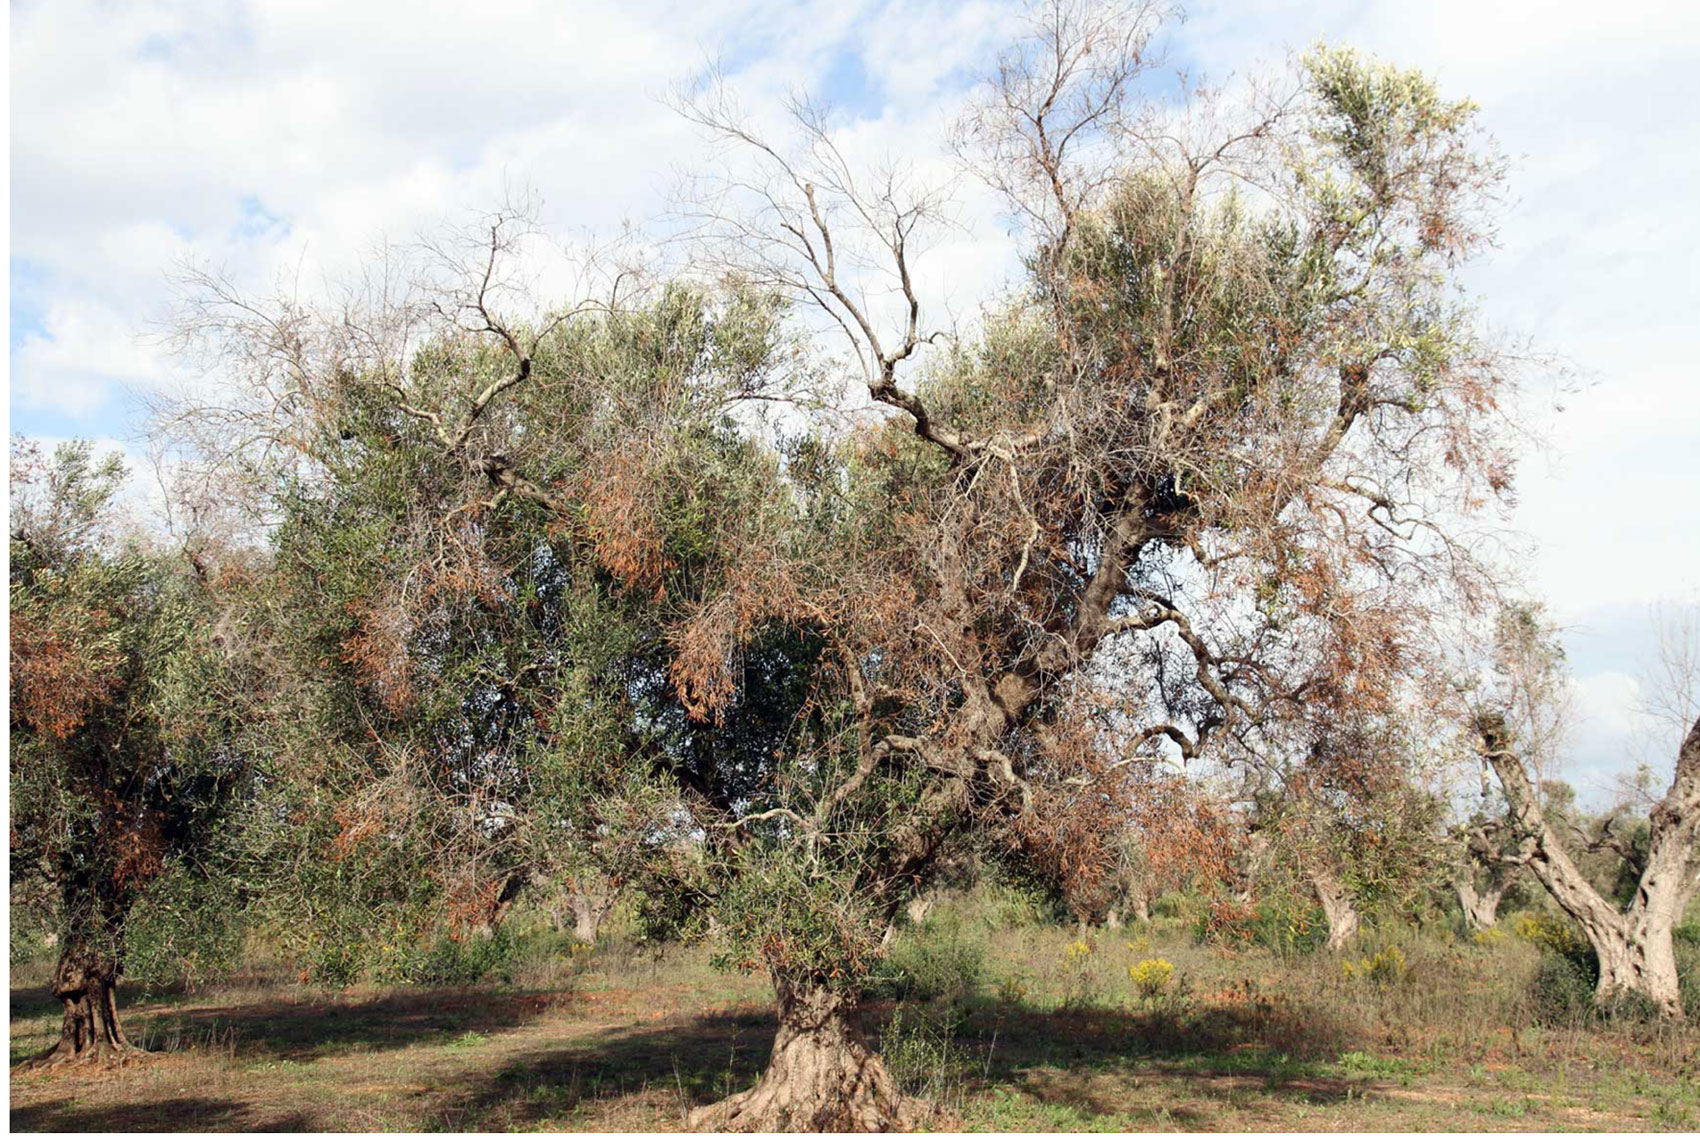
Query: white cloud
(87, 346)
(1603, 740)
(283, 138)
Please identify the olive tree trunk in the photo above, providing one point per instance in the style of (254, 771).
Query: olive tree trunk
(1633, 946)
(86, 982)
(1337, 906)
(1481, 908)
(916, 910)
(819, 1078)
(590, 901)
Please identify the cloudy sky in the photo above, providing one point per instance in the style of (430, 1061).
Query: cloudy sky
(285, 137)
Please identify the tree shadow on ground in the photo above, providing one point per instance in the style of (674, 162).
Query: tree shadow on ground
(1091, 1059)
(30, 1002)
(683, 1062)
(180, 1114)
(306, 1028)
(1253, 1037)
(1057, 1056)
(1204, 1066)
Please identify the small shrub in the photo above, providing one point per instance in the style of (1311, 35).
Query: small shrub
(1385, 968)
(1373, 1064)
(1076, 972)
(1688, 975)
(29, 938)
(1285, 927)
(924, 1059)
(186, 929)
(1169, 905)
(471, 1039)
(1562, 990)
(1225, 921)
(452, 961)
(1007, 906)
(938, 960)
(1627, 1006)
(544, 960)
(335, 962)
(1550, 933)
(1151, 977)
(1014, 988)
(1289, 928)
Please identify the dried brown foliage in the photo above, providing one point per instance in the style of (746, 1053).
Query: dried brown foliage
(63, 665)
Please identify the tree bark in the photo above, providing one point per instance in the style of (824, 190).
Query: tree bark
(916, 909)
(1481, 908)
(1636, 958)
(86, 982)
(590, 905)
(587, 920)
(1253, 861)
(819, 1078)
(1343, 921)
(1633, 946)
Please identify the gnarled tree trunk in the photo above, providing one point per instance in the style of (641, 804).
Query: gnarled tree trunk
(1636, 957)
(1633, 946)
(1252, 863)
(916, 910)
(1343, 921)
(590, 900)
(587, 918)
(1134, 904)
(86, 981)
(819, 1077)
(1481, 908)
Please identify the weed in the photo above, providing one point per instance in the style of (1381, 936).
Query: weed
(471, 1039)
(1375, 1065)
(924, 1058)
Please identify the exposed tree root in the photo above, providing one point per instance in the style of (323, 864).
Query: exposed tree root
(819, 1079)
(94, 1057)
(91, 1035)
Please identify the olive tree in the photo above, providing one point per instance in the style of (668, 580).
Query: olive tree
(1631, 942)
(1199, 484)
(1216, 460)
(131, 733)
(488, 513)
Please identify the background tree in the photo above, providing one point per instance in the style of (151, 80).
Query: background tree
(131, 741)
(489, 516)
(1631, 942)
(1487, 869)
(1355, 820)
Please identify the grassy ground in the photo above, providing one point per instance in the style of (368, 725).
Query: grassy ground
(1052, 1035)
